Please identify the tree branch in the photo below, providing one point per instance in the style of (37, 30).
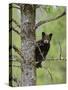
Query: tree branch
(12, 28)
(18, 51)
(48, 20)
(14, 22)
(40, 51)
(50, 74)
(14, 58)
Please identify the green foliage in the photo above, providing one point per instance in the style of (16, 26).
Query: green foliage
(53, 72)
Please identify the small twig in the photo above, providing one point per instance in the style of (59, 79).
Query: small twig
(18, 51)
(60, 51)
(50, 75)
(39, 49)
(12, 28)
(17, 59)
(19, 33)
(14, 22)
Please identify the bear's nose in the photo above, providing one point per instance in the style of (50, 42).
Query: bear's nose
(46, 41)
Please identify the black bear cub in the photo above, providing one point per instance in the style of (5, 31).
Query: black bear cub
(42, 48)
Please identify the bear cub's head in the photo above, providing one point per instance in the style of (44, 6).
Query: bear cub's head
(46, 37)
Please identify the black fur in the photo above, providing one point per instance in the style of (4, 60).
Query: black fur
(43, 45)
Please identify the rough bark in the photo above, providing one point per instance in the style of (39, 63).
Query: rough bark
(28, 75)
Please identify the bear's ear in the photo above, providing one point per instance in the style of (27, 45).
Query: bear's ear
(50, 36)
(43, 34)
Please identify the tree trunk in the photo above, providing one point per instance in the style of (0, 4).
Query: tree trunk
(28, 75)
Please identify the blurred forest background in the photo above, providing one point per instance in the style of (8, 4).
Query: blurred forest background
(53, 69)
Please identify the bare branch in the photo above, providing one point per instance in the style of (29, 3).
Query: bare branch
(50, 74)
(48, 20)
(16, 31)
(12, 28)
(14, 58)
(60, 50)
(40, 51)
(14, 22)
(18, 51)
(36, 44)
